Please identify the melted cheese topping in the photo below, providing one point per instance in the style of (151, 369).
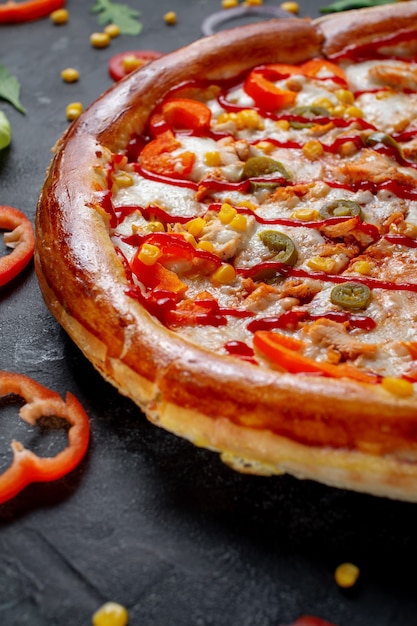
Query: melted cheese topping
(265, 250)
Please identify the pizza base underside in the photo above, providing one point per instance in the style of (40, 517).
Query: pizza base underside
(180, 387)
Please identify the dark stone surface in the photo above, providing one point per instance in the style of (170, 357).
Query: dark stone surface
(147, 519)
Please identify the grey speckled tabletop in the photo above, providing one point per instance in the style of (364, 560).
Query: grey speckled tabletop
(148, 520)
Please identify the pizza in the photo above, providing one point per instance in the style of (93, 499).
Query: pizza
(229, 235)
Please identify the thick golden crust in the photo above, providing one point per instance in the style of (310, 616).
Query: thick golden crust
(362, 26)
(336, 431)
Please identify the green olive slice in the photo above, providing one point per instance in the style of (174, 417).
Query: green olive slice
(341, 208)
(281, 244)
(379, 137)
(263, 166)
(351, 296)
(311, 111)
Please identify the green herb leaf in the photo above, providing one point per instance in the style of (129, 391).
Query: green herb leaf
(347, 5)
(5, 131)
(125, 17)
(10, 89)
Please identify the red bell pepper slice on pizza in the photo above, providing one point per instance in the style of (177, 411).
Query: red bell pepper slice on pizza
(181, 114)
(157, 157)
(21, 239)
(286, 352)
(266, 94)
(13, 12)
(260, 84)
(26, 466)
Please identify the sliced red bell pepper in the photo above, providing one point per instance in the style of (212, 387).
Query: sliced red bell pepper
(117, 65)
(181, 114)
(26, 466)
(157, 157)
(158, 278)
(285, 352)
(12, 12)
(313, 67)
(21, 239)
(266, 94)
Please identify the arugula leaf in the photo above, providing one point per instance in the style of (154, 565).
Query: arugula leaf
(10, 89)
(121, 14)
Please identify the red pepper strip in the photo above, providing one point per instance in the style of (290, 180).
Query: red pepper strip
(181, 114)
(158, 278)
(11, 11)
(315, 66)
(285, 352)
(156, 157)
(27, 467)
(267, 95)
(21, 239)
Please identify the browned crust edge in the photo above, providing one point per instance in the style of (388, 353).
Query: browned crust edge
(179, 386)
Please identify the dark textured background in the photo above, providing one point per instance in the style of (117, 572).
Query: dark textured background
(148, 520)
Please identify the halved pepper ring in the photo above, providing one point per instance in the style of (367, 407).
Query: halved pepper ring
(26, 466)
(21, 238)
(13, 12)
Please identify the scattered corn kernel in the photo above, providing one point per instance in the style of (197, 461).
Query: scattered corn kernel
(226, 213)
(252, 3)
(73, 110)
(225, 274)
(112, 30)
(321, 264)
(345, 96)
(130, 63)
(239, 223)
(398, 386)
(205, 245)
(60, 16)
(123, 179)
(99, 40)
(266, 146)
(339, 110)
(111, 614)
(291, 7)
(70, 75)
(229, 4)
(247, 204)
(249, 119)
(170, 18)
(212, 159)
(353, 111)
(362, 267)
(149, 254)
(346, 575)
(195, 226)
(282, 124)
(348, 148)
(155, 227)
(305, 215)
(313, 149)
(326, 103)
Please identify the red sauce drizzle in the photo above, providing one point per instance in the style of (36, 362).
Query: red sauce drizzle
(290, 320)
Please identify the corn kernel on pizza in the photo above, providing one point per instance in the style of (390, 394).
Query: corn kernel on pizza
(229, 234)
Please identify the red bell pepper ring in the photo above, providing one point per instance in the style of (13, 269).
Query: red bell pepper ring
(117, 64)
(21, 239)
(27, 467)
(12, 12)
